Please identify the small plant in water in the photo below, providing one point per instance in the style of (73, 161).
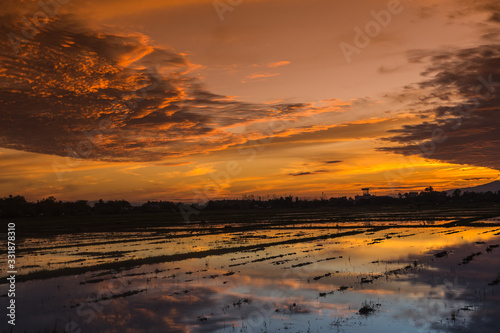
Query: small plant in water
(367, 308)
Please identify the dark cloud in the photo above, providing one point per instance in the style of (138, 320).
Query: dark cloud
(333, 162)
(307, 173)
(66, 89)
(301, 174)
(466, 7)
(388, 70)
(495, 17)
(491, 36)
(479, 178)
(175, 164)
(463, 123)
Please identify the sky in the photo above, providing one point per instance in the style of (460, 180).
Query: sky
(192, 100)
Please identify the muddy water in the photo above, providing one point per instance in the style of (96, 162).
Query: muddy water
(411, 279)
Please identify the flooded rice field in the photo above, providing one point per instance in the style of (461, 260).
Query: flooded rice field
(354, 275)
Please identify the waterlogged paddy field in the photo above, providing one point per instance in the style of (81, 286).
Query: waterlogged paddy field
(294, 273)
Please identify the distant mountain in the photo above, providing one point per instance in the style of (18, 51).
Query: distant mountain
(493, 187)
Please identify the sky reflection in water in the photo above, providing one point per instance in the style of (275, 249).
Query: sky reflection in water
(316, 286)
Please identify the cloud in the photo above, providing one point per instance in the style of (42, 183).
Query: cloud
(461, 124)
(307, 173)
(301, 174)
(174, 164)
(278, 64)
(490, 7)
(201, 170)
(479, 178)
(258, 76)
(388, 70)
(333, 162)
(71, 90)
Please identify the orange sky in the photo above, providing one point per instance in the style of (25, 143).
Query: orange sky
(179, 100)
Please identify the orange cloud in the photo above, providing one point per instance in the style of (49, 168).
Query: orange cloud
(278, 64)
(116, 97)
(259, 76)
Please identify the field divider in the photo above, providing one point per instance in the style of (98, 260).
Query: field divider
(133, 263)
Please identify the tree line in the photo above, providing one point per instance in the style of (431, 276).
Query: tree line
(18, 206)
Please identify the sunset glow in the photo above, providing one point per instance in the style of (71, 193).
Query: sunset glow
(164, 100)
